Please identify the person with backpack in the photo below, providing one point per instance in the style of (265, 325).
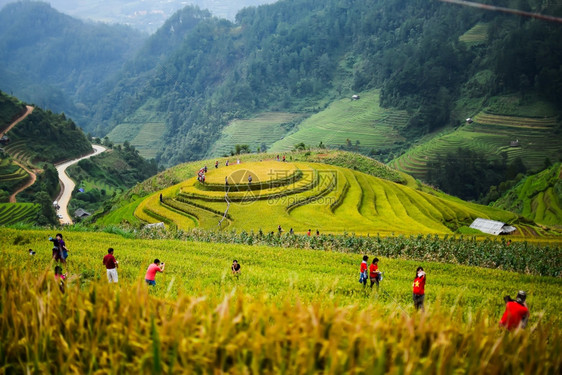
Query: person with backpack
(516, 312)
(363, 276)
(419, 289)
(60, 252)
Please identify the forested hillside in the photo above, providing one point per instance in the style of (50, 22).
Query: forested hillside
(428, 64)
(59, 62)
(297, 56)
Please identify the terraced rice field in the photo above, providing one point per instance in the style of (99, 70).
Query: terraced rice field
(477, 35)
(12, 213)
(19, 151)
(306, 196)
(490, 134)
(11, 175)
(266, 128)
(144, 130)
(360, 120)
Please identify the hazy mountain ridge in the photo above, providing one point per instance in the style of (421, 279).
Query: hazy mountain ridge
(45, 52)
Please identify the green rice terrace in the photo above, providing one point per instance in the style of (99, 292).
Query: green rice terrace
(144, 130)
(475, 36)
(361, 120)
(531, 138)
(302, 196)
(11, 176)
(537, 197)
(264, 129)
(12, 213)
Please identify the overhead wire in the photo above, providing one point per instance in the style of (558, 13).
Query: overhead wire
(504, 10)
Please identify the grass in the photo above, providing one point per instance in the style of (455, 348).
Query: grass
(266, 128)
(360, 120)
(329, 198)
(291, 310)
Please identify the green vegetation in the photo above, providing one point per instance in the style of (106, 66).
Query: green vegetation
(290, 310)
(44, 136)
(10, 109)
(107, 175)
(59, 62)
(491, 135)
(536, 197)
(475, 36)
(11, 176)
(145, 130)
(260, 132)
(12, 213)
(350, 124)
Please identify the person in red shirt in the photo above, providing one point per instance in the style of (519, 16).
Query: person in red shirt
(374, 273)
(150, 276)
(516, 312)
(363, 276)
(111, 265)
(419, 289)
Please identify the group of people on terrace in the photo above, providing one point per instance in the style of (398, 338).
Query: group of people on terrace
(516, 312)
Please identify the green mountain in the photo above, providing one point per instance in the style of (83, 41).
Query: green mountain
(44, 138)
(59, 62)
(298, 57)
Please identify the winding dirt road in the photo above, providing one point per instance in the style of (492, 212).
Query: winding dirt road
(28, 110)
(67, 185)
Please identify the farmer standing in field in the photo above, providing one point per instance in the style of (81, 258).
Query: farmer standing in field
(419, 289)
(111, 266)
(516, 312)
(150, 276)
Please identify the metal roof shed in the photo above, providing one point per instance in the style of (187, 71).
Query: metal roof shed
(492, 226)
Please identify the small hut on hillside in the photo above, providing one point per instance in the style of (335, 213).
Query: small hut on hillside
(81, 213)
(492, 227)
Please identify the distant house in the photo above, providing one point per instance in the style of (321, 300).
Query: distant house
(81, 213)
(4, 140)
(492, 226)
(469, 120)
(355, 97)
(514, 143)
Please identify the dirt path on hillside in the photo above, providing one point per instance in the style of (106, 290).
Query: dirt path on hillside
(27, 113)
(27, 184)
(67, 185)
(32, 175)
